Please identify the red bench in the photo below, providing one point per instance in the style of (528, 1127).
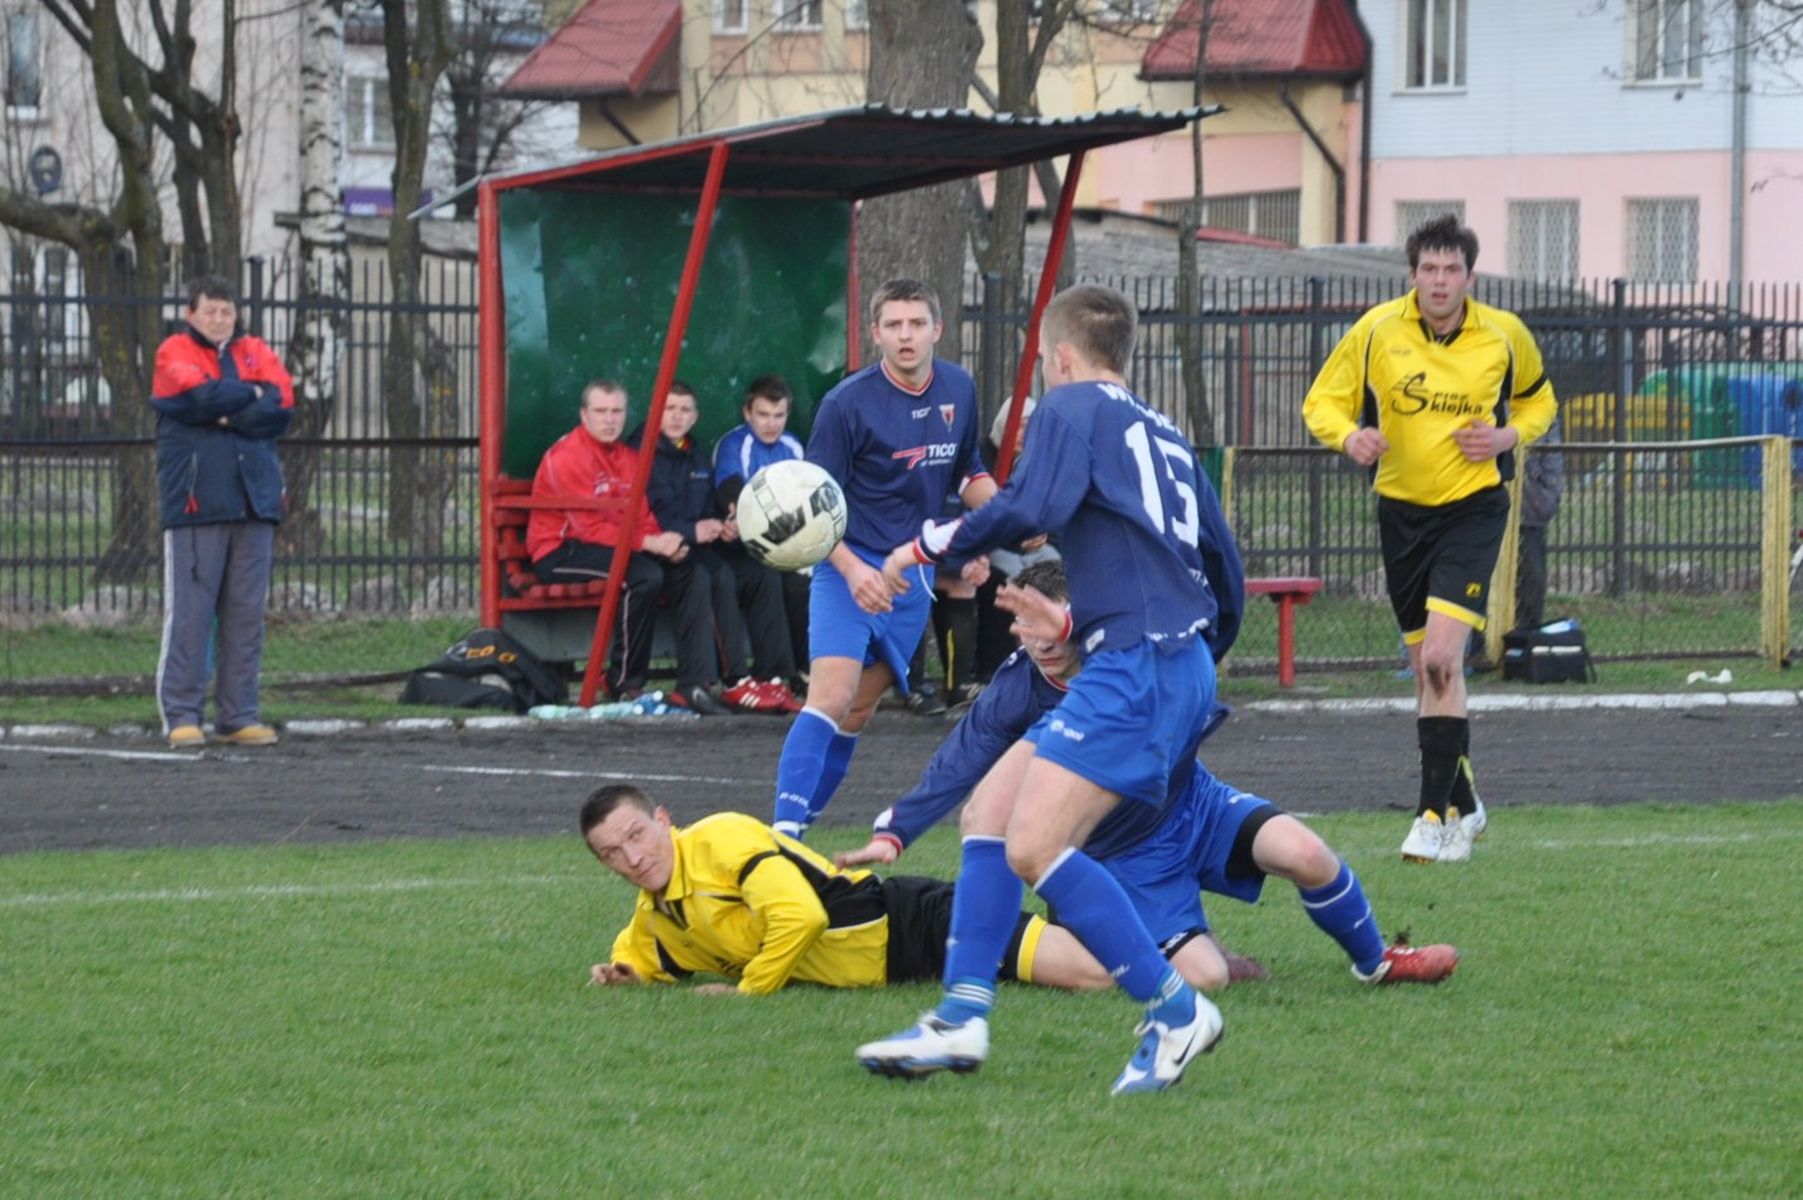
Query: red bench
(1286, 591)
(510, 508)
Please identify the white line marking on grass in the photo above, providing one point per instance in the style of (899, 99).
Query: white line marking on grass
(1667, 839)
(215, 756)
(1621, 843)
(277, 891)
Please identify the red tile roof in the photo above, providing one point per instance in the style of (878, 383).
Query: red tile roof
(1262, 38)
(606, 48)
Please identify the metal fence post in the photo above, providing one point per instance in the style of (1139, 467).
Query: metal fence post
(1317, 489)
(253, 297)
(989, 349)
(1624, 391)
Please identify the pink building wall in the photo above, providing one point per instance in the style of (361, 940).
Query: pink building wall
(1600, 183)
(1134, 176)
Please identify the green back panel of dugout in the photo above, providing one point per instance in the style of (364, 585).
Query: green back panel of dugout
(589, 281)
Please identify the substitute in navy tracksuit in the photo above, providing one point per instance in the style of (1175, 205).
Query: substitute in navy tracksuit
(222, 399)
(681, 494)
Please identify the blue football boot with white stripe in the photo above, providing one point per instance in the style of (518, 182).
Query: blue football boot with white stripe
(931, 1045)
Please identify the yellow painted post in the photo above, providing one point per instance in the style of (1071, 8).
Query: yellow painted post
(1774, 557)
(1228, 454)
(1501, 606)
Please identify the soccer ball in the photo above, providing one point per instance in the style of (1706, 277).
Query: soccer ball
(791, 515)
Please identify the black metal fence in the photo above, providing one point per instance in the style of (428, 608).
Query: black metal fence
(385, 526)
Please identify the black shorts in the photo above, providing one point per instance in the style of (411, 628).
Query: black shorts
(920, 918)
(1440, 558)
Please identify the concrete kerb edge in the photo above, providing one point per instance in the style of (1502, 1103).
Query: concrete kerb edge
(1524, 702)
(1401, 705)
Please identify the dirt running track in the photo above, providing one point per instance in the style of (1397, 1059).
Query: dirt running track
(111, 792)
(383, 784)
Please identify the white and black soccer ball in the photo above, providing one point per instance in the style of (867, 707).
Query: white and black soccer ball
(791, 515)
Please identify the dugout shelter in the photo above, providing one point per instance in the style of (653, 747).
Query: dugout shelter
(716, 258)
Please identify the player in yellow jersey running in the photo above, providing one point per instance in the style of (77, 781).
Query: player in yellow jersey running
(1436, 392)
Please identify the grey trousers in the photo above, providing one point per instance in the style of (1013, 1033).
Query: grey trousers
(213, 571)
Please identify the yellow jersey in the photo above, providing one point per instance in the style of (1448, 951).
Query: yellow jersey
(1416, 387)
(748, 903)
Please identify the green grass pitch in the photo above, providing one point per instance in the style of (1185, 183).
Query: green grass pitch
(408, 1019)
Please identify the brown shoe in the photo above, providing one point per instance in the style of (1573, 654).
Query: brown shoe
(187, 737)
(250, 735)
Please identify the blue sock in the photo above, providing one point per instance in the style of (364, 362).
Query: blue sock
(1343, 913)
(799, 769)
(832, 772)
(1092, 905)
(985, 909)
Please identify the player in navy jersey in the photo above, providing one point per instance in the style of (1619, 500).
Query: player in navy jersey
(897, 435)
(1213, 838)
(1138, 529)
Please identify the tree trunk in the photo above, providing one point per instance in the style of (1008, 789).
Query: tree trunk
(127, 333)
(922, 54)
(1189, 276)
(326, 268)
(417, 57)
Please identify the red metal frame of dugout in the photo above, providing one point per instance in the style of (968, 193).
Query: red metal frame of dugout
(492, 343)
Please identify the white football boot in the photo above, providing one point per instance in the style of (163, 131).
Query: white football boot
(931, 1045)
(1165, 1050)
(1426, 838)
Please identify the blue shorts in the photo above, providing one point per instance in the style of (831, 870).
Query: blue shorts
(1190, 851)
(1131, 717)
(838, 628)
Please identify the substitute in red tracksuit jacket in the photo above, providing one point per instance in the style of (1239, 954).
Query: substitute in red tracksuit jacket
(576, 545)
(222, 399)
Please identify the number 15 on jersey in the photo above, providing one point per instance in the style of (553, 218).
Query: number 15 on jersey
(1155, 456)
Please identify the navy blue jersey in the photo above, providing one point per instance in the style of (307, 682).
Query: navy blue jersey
(1141, 528)
(895, 452)
(738, 455)
(1017, 697)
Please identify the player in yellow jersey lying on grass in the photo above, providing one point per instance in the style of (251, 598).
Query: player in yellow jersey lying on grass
(730, 896)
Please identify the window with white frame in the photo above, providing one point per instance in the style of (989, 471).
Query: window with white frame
(1433, 46)
(1668, 40)
(729, 15)
(24, 62)
(857, 14)
(1413, 214)
(368, 122)
(1543, 239)
(794, 16)
(1662, 239)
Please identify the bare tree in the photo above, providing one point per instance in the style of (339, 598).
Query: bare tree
(120, 246)
(419, 44)
(1189, 278)
(922, 55)
(323, 328)
(203, 130)
(481, 127)
(999, 237)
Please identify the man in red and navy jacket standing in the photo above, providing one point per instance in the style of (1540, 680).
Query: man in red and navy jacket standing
(222, 399)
